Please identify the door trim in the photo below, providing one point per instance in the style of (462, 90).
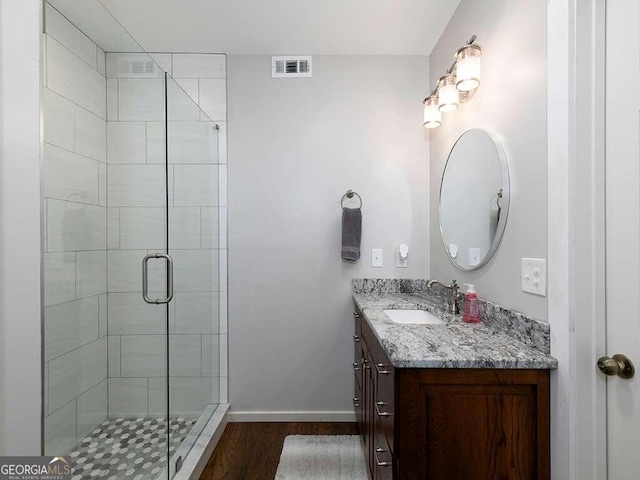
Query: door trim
(576, 249)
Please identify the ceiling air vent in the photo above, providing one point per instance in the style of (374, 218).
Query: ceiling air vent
(290, 67)
(138, 68)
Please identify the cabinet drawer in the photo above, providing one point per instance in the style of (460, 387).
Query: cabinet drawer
(382, 456)
(371, 343)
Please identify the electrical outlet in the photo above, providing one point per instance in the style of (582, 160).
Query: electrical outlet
(376, 257)
(534, 276)
(401, 262)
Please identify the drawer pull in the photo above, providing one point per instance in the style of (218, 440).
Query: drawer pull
(356, 366)
(356, 401)
(378, 462)
(356, 314)
(382, 414)
(356, 338)
(380, 367)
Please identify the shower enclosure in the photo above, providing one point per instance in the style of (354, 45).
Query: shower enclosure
(132, 250)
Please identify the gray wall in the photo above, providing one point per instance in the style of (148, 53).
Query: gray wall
(295, 146)
(511, 103)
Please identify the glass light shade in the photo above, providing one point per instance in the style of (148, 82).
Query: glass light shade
(447, 93)
(469, 60)
(432, 116)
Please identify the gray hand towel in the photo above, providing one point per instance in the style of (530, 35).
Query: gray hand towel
(351, 233)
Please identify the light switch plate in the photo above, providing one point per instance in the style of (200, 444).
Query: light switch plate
(474, 257)
(376, 257)
(534, 276)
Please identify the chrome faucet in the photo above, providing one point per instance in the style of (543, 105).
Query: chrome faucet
(456, 296)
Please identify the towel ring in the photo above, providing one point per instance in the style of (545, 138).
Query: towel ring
(350, 194)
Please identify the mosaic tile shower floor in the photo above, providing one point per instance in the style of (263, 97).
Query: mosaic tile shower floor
(131, 448)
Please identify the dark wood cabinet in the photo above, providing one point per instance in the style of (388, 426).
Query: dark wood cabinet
(449, 424)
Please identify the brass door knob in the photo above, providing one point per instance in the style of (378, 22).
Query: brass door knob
(619, 365)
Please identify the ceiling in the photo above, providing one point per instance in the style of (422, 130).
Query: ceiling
(271, 27)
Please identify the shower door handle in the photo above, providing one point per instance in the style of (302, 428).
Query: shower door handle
(145, 278)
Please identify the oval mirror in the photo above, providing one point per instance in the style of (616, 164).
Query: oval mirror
(474, 199)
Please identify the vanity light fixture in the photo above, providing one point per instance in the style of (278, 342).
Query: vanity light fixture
(432, 114)
(456, 86)
(448, 98)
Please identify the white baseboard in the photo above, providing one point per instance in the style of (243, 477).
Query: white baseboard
(236, 416)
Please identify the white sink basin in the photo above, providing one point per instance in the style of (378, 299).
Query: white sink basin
(414, 317)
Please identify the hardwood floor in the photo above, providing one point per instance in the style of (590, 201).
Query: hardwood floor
(251, 451)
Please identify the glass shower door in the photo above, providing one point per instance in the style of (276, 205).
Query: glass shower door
(192, 165)
(105, 207)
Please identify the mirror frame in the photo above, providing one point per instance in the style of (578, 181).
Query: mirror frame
(506, 190)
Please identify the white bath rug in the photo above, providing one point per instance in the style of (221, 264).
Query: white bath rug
(322, 457)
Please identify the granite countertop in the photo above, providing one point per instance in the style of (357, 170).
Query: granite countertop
(454, 345)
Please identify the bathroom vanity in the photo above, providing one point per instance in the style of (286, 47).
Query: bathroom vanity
(451, 400)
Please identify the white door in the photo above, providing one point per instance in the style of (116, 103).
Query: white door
(623, 233)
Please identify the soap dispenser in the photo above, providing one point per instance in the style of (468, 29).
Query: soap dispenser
(471, 305)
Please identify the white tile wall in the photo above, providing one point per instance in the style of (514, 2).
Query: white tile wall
(102, 61)
(113, 228)
(69, 176)
(140, 99)
(195, 185)
(190, 86)
(114, 355)
(211, 355)
(188, 395)
(199, 66)
(59, 277)
(193, 142)
(142, 227)
(75, 181)
(91, 135)
(75, 372)
(156, 149)
(185, 357)
(92, 409)
(195, 270)
(163, 60)
(112, 100)
(211, 233)
(129, 315)
(70, 325)
(196, 312)
(102, 314)
(143, 356)
(74, 79)
(127, 142)
(128, 397)
(180, 106)
(59, 121)
(184, 227)
(213, 98)
(60, 430)
(91, 273)
(136, 185)
(68, 35)
(124, 272)
(102, 184)
(75, 226)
